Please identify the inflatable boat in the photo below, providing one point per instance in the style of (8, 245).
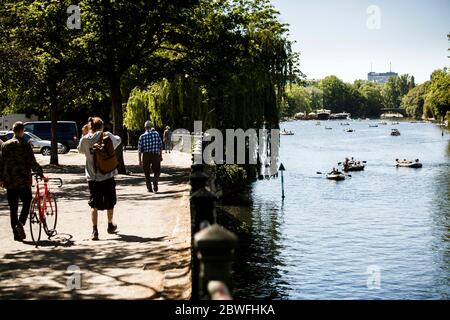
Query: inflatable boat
(409, 164)
(354, 167)
(336, 176)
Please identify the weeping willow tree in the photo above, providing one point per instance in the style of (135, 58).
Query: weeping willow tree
(236, 76)
(136, 110)
(165, 102)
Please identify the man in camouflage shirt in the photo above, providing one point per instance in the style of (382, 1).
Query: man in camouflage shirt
(16, 163)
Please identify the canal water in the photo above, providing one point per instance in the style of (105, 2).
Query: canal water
(381, 234)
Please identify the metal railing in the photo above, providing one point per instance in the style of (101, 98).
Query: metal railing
(212, 245)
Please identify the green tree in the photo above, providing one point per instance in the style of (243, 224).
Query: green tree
(237, 71)
(136, 111)
(372, 98)
(394, 90)
(121, 36)
(414, 100)
(437, 100)
(315, 97)
(297, 100)
(335, 93)
(339, 96)
(36, 59)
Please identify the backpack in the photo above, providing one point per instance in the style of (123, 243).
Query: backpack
(105, 160)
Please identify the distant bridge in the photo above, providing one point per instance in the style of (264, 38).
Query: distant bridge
(394, 110)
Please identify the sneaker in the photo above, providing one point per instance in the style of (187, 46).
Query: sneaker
(20, 232)
(112, 228)
(94, 236)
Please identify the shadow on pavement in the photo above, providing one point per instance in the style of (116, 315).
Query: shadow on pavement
(41, 273)
(130, 238)
(60, 240)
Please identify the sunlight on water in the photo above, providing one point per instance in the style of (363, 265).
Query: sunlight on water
(325, 239)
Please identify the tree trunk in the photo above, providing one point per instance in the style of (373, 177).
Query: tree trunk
(117, 112)
(54, 130)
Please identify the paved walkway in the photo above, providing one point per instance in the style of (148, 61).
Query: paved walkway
(149, 258)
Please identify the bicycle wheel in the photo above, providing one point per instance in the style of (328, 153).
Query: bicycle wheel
(35, 222)
(51, 215)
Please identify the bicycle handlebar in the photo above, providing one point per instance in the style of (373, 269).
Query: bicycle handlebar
(39, 178)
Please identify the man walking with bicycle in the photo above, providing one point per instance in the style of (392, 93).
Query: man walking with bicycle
(16, 163)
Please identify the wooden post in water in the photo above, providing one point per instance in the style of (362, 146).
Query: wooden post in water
(282, 169)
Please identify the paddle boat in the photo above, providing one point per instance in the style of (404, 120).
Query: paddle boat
(358, 166)
(352, 165)
(336, 176)
(286, 133)
(408, 164)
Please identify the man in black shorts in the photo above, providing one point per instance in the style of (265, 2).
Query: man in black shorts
(102, 187)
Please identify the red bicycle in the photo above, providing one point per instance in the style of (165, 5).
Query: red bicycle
(43, 211)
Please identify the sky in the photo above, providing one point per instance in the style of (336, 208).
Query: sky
(342, 38)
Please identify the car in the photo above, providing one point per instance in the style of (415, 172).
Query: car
(39, 146)
(67, 132)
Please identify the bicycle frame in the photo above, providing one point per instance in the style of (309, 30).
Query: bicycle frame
(46, 197)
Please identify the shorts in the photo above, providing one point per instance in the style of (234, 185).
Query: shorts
(102, 194)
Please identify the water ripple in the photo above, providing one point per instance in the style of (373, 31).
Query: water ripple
(321, 241)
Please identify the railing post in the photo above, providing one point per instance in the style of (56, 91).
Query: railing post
(203, 202)
(197, 167)
(218, 290)
(215, 250)
(198, 180)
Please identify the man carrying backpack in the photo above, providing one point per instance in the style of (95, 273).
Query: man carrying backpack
(150, 155)
(101, 163)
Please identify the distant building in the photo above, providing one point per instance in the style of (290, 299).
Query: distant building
(7, 120)
(381, 78)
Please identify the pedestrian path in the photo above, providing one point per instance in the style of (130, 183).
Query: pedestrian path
(149, 257)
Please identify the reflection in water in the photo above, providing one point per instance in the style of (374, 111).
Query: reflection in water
(441, 224)
(320, 244)
(257, 260)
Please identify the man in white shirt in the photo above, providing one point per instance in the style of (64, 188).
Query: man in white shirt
(102, 187)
